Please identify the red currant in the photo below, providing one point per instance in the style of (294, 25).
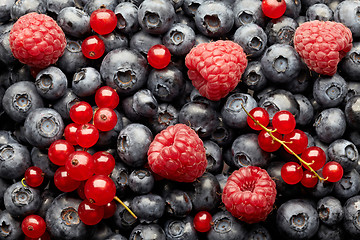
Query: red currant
(159, 56)
(104, 163)
(267, 143)
(297, 141)
(314, 156)
(59, 151)
(64, 182)
(105, 119)
(291, 173)
(100, 189)
(103, 21)
(332, 171)
(33, 226)
(106, 97)
(70, 133)
(284, 122)
(89, 213)
(259, 114)
(109, 209)
(273, 8)
(93, 47)
(202, 221)
(34, 176)
(81, 112)
(45, 236)
(87, 135)
(80, 165)
(80, 190)
(309, 179)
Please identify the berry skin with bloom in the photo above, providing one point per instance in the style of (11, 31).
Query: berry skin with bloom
(103, 21)
(322, 45)
(249, 194)
(159, 56)
(215, 68)
(273, 8)
(33, 226)
(37, 40)
(177, 153)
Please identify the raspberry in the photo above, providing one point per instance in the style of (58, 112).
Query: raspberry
(177, 153)
(322, 45)
(215, 68)
(37, 40)
(249, 194)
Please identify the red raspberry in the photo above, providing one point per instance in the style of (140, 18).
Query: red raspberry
(37, 40)
(249, 194)
(322, 45)
(215, 68)
(177, 153)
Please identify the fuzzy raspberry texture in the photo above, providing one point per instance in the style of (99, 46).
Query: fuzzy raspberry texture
(177, 153)
(249, 194)
(37, 40)
(215, 68)
(322, 45)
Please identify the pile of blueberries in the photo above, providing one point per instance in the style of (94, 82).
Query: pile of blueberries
(326, 108)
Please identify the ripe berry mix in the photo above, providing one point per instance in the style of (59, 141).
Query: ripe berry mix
(179, 119)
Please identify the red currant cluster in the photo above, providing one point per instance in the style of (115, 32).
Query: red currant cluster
(283, 133)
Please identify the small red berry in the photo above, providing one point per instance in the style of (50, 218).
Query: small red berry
(259, 114)
(109, 209)
(103, 21)
(202, 221)
(159, 56)
(93, 47)
(70, 133)
(315, 156)
(106, 97)
(59, 151)
(80, 165)
(105, 119)
(100, 189)
(34, 176)
(33, 226)
(267, 143)
(89, 213)
(284, 122)
(87, 135)
(297, 141)
(64, 182)
(291, 173)
(309, 179)
(80, 190)
(45, 236)
(332, 171)
(273, 8)
(104, 163)
(81, 112)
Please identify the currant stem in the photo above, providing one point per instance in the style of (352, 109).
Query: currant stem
(283, 143)
(22, 182)
(126, 207)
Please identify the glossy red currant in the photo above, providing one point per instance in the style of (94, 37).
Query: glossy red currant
(259, 114)
(33, 226)
(273, 8)
(81, 112)
(64, 182)
(70, 133)
(45, 236)
(81, 190)
(109, 209)
(104, 163)
(105, 119)
(314, 156)
(103, 21)
(159, 56)
(106, 97)
(93, 47)
(89, 213)
(284, 122)
(80, 165)
(332, 171)
(34, 176)
(291, 173)
(100, 189)
(267, 143)
(297, 141)
(309, 179)
(202, 221)
(87, 135)
(59, 151)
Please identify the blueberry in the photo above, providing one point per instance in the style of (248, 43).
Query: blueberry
(21, 201)
(258, 232)
(346, 13)
(245, 151)
(143, 41)
(92, 5)
(254, 77)
(223, 134)
(5, 7)
(39, 158)
(127, 17)
(330, 91)
(165, 116)
(62, 219)
(6, 55)
(293, 8)
(321, 189)
(195, 96)
(124, 70)
(330, 210)
(348, 185)
(319, 12)
(179, 39)
(148, 208)
(129, 110)
(297, 219)
(351, 215)
(103, 231)
(141, 181)
(19, 99)
(233, 113)
(330, 124)
(226, 227)
(47, 197)
(55, 6)
(10, 228)
(281, 30)
(156, 16)
(343, 152)
(51, 83)
(301, 83)
(116, 237)
(352, 112)
(248, 11)
(114, 40)
(177, 3)
(120, 176)
(306, 113)
(199, 38)
(353, 89)
(252, 39)
(222, 179)
(281, 63)
(182, 18)
(180, 229)
(330, 232)
(14, 160)
(7, 137)
(144, 103)
(43, 126)
(190, 6)
(147, 232)
(350, 63)
(86, 81)
(63, 105)
(3, 186)
(122, 219)
(214, 157)
(23, 7)
(178, 204)
(74, 22)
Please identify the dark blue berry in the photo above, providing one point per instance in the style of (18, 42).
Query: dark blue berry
(214, 157)
(182, 18)
(10, 227)
(293, 8)
(330, 124)
(6, 55)
(74, 22)
(92, 5)
(122, 219)
(120, 176)
(39, 158)
(141, 181)
(23, 7)
(47, 197)
(226, 227)
(248, 11)
(116, 236)
(346, 13)
(343, 152)
(144, 103)
(147, 232)
(114, 40)
(148, 207)
(177, 3)
(252, 39)
(143, 41)
(254, 77)
(7, 137)
(321, 189)
(190, 6)
(179, 39)
(319, 11)
(51, 83)
(330, 232)
(102, 231)
(281, 30)
(180, 229)
(55, 6)
(352, 112)
(351, 215)
(350, 63)
(63, 105)
(348, 185)
(127, 17)
(301, 83)
(306, 113)
(5, 7)
(178, 204)
(166, 115)
(258, 232)
(329, 91)
(86, 81)
(330, 210)
(14, 160)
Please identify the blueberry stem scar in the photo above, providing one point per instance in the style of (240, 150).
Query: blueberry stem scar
(126, 207)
